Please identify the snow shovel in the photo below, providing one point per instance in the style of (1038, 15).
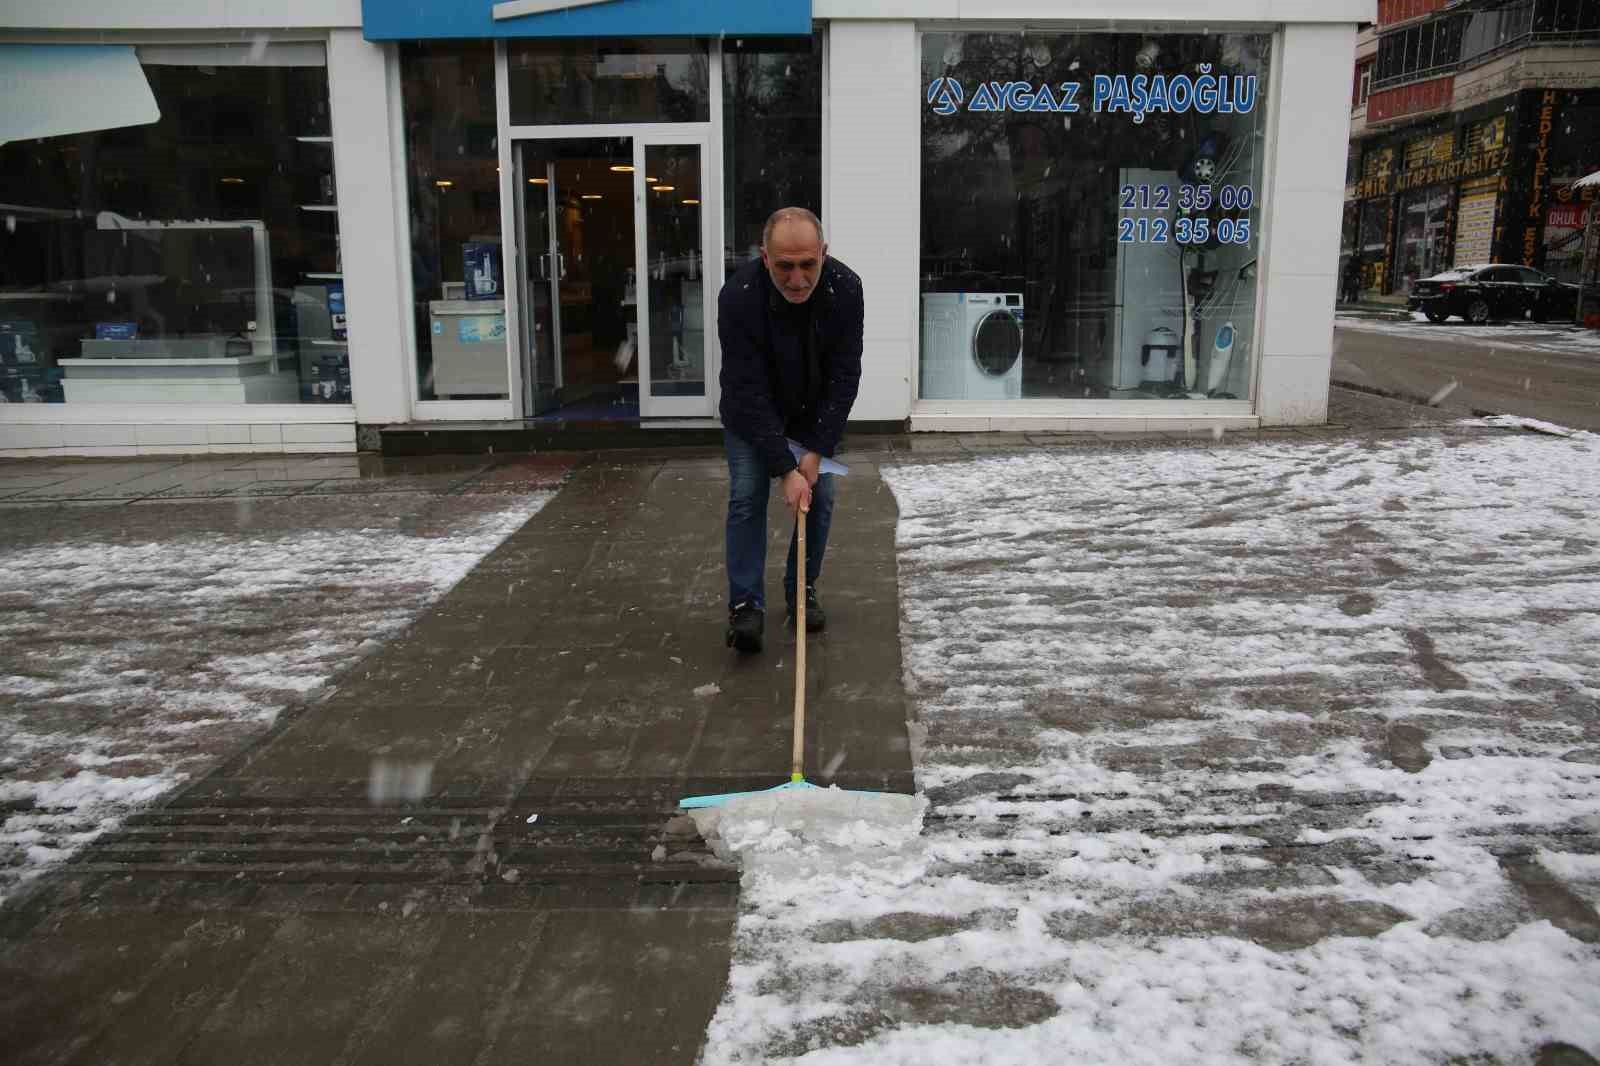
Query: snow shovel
(808, 804)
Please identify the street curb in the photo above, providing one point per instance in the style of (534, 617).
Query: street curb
(1399, 313)
(1405, 397)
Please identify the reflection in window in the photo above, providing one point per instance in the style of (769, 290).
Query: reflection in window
(191, 260)
(772, 135)
(1123, 252)
(452, 169)
(564, 80)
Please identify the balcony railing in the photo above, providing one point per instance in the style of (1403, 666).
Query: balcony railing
(1459, 38)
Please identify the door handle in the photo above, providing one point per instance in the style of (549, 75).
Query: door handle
(561, 267)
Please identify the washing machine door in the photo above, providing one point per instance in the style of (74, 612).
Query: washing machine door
(997, 343)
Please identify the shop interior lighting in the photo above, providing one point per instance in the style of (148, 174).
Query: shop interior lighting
(591, 196)
(691, 202)
(622, 168)
(538, 181)
(233, 181)
(648, 178)
(444, 184)
(664, 188)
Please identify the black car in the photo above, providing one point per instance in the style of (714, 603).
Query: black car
(1499, 290)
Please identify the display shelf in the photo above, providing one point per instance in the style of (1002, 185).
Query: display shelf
(232, 379)
(318, 201)
(186, 362)
(41, 297)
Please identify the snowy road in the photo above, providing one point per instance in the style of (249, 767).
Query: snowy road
(1503, 336)
(1545, 372)
(1282, 753)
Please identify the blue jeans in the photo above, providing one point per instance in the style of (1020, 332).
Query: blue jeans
(748, 485)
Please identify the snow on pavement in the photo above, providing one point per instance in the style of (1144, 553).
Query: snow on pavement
(130, 667)
(1257, 752)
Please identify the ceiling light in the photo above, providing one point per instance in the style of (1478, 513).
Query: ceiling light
(233, 181)
(665, 188)
(691, 202)
(649, 178)
(538, 181)
(591, 196)
(622, 168)
(444, 184)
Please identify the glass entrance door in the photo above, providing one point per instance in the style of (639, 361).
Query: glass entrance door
(612, 277)
(676, 297)
(579, 312)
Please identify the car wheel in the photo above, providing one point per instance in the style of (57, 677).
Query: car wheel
(1435, 316)
(1478, 311)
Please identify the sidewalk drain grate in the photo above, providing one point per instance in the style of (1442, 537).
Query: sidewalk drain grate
(530, 841)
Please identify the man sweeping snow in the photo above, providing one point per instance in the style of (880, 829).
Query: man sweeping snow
(791, 330)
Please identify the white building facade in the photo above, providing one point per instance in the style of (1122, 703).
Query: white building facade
(255, 228)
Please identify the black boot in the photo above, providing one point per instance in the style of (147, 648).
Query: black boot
(746, 626)
(816, 617)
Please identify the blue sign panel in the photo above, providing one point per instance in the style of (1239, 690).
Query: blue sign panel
(410, 20)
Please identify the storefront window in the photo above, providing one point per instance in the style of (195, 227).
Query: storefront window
(584, 79)
(1574, 154)
(772, 134)
(1349, 234)
(1091, 214)
(1424, 227)
(193, 259)
(457, 270)
(1374, 244)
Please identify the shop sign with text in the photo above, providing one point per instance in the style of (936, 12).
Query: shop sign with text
(1472, 166)
(1136, 96)
(1367, 188)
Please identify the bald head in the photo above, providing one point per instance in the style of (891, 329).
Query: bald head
(793, 251)
(791, 214)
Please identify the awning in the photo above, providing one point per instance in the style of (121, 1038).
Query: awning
(402, 20)
(54, 89)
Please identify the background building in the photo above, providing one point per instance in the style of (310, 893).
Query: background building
(229, 228)
(1470, 121)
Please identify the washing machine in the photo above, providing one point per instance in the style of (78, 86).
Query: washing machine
(971, 346)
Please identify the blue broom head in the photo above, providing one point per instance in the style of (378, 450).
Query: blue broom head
(691, 802)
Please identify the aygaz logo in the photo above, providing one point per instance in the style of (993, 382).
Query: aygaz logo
(1138, 95)
(946, 96)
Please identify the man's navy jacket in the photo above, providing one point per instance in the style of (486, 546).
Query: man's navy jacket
(776, 381)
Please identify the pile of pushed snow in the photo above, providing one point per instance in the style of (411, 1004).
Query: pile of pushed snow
(810, 820)
(861, 844)
(1533, 425)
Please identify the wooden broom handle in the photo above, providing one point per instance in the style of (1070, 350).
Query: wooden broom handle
(798, 771)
